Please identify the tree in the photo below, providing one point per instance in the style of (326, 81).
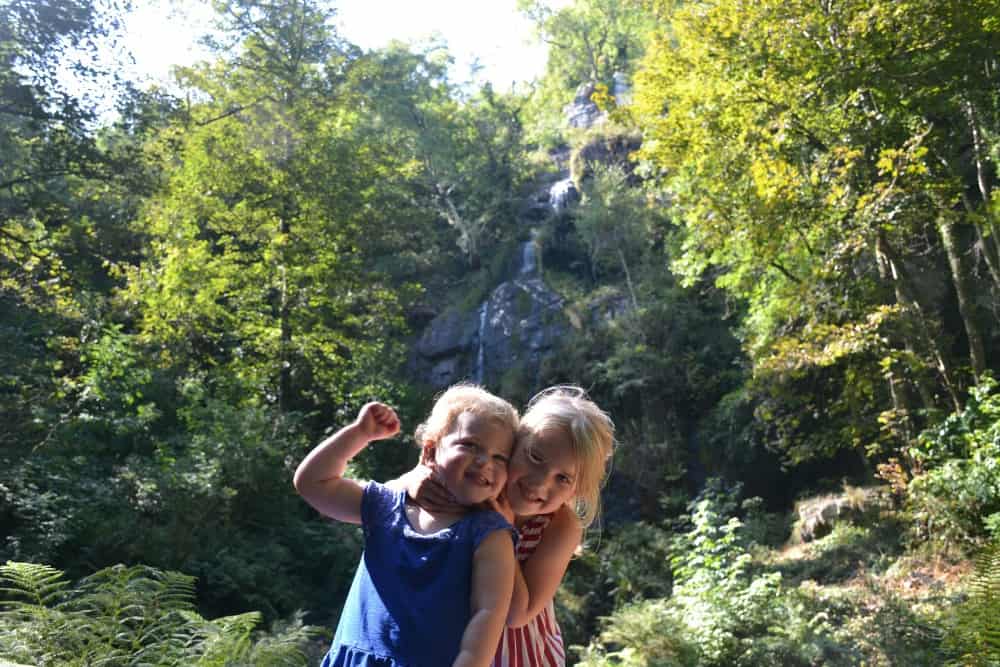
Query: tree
(459, 150)
(613, 218)
(813, 150)
(589, 40)
(254, 258)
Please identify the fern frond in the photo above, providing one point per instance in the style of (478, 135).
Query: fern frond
(986, 580)
(975, 632)
(31, 583)
(282, 646)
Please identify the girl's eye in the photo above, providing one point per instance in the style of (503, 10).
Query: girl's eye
(500, 458)
(563, 479)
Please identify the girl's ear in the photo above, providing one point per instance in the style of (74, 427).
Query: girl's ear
(427, 453)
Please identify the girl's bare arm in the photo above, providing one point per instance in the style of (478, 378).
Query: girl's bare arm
(537, 578)
(492, 580)
(319, 479)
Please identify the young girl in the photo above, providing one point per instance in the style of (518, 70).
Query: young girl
(433, 587)
(552, 495)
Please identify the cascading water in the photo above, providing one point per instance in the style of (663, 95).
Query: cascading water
(529, 258)
(507, 337)
(562, 194)
(479, 372)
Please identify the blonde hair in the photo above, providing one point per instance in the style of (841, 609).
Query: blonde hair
(458, 399)
(591, 432)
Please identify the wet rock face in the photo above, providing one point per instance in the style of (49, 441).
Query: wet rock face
(447, 335)
(520, 323)
(621, 89)
(562, 195)
(523, 322)
(582, 112)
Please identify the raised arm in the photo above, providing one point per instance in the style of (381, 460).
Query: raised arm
(319, 479)
(537, 578)
(492, 580)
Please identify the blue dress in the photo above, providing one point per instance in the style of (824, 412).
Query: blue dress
(409, 602)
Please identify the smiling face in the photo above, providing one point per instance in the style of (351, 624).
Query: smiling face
(543, 473)
(472, 458)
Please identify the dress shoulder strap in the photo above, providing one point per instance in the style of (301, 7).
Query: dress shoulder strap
(530, 534)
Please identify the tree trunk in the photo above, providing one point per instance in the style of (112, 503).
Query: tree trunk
(628, 279)
(988, 243)
(978, 150)
(966, 303)
(901, 405)
(907, 297)
(285, 342)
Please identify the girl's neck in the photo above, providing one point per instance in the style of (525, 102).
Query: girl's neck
(425, 522)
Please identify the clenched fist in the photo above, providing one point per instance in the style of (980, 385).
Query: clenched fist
(377, 421)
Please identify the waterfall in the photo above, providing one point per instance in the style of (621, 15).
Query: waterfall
(479, 373)
(561, 194)
(529, 258)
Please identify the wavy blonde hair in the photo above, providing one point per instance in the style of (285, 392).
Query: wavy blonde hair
(460, 398)
(591, 432)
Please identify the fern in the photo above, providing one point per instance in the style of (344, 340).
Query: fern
(130, 617)
(974, 636)
(281, 647)
(38, 585)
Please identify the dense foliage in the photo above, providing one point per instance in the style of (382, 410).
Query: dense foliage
(781, 269)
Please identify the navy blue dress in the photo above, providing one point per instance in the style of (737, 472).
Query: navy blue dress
(409, 602)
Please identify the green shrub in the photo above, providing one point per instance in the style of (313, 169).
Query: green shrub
(641, 634)
(720, 612)
(956, 498)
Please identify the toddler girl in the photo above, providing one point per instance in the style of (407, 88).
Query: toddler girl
(434, 586)
(552, 495)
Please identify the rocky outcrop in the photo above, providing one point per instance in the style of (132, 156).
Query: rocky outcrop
(523, 320)
(582, 112)
(817, 516)
(515, 328)
(440, 357)
(608, 149)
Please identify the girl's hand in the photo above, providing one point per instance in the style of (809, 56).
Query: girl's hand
(423, 487)
(502, 505)
(377, 421)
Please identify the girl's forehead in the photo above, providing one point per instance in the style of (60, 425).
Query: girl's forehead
(547, 438)
(471, 424)
(473, 421)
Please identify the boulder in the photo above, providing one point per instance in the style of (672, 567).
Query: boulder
(447, 334)
(582, 112)
(523, 322)
(817, 516)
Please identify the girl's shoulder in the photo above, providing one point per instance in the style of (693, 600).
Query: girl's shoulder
(563, 519)
(561, 525)
(381, 504)
(478, 525)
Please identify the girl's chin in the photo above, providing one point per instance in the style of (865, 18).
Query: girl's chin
(524, 509)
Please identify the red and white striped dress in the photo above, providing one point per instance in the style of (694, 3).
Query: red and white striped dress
(538, 643)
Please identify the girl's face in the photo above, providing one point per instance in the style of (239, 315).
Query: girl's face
(472, 458)
(543, 473)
